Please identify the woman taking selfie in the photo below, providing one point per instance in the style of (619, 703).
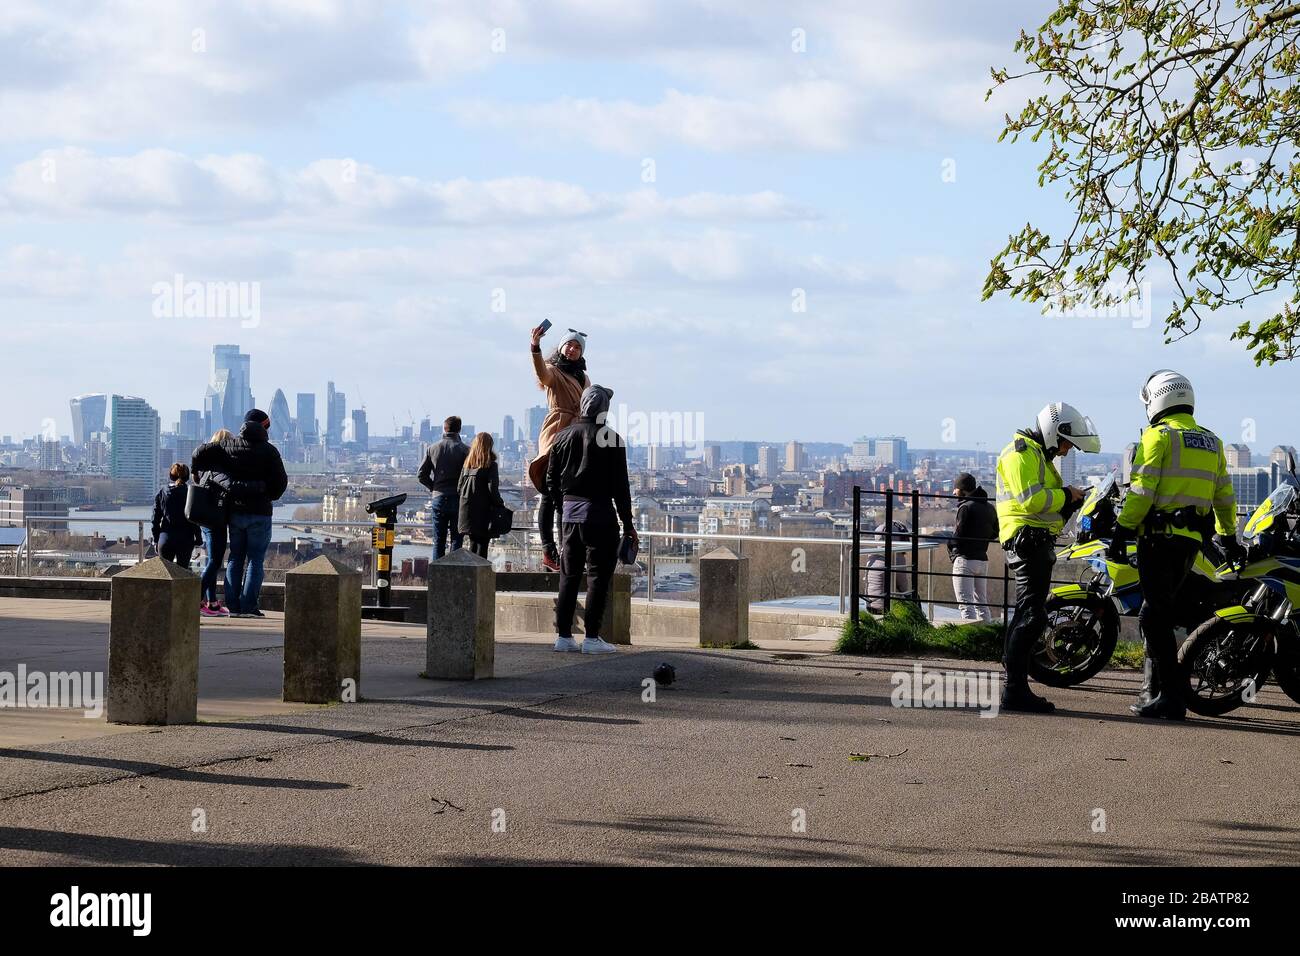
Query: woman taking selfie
(563, 376)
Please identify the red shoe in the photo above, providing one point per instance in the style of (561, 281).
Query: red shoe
(550, 561)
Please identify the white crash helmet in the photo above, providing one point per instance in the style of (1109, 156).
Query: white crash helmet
(1164, 390)
(1062, 421)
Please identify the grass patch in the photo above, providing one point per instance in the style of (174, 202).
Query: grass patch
(746, 646)
(904, 631)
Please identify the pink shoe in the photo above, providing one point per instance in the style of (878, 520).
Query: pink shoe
(206, 611)
(220, 610)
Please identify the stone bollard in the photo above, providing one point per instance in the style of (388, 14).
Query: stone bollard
(153, 645)
(616, 628)
(724, 599)
(322, 632)
(461, 636)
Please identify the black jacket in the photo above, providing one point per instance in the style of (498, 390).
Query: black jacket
(977, 525)
(443, 460)
(169, 514)
(589, 460)
(480, 492)
(254, 467)
(211, 464)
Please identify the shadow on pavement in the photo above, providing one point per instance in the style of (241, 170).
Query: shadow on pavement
(93, 848)
(162, 771)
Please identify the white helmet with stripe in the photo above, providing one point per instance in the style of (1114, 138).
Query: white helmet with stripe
(1164, 390)
(1062, 421)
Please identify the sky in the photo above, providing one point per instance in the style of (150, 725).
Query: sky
(775, 218)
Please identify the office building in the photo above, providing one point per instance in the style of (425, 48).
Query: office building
(1250, 485)
(281, 420)
(51, 455)
(230, 393)
(361, 431)
(892, 452)
(88, 413)
(190, 426)
(533, 419)
(769, 465)
(19, 503)
(134, 455)
(336, 413)
(508, 431)
(1237, 456)
(794, 457)
(305, 423)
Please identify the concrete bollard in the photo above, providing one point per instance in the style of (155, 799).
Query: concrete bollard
(616, 628)
(322, 632)
(153, 645)
(461, 636)
(724, 598)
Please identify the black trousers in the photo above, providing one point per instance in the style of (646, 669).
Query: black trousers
(175, 548)
(590, 546)
(546, 519)
(1164, 561)
(478, 546)
(1031, 560)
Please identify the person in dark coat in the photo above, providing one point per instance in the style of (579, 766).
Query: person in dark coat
(255, 462)
(211, 464)
(440, 473)
(480, 493)
(174, 536)
(977, 525)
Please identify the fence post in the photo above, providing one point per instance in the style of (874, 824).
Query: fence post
(855, 559)
(650, 567)
(916, 543)
(140, 528)
(889, 547)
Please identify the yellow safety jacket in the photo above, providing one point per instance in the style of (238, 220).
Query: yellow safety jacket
(1030, 490)
(1179, 465)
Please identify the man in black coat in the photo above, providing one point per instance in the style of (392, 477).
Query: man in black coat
(586, 473)
(252, 459)
(977, 525)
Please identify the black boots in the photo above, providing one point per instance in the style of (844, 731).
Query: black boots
(1167, 702)
(1021, 698)
(1150, 686)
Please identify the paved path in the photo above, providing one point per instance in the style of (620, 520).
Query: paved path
(562, 753)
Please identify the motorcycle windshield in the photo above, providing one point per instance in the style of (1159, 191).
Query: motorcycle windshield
(1098, 494)
(1275, 504)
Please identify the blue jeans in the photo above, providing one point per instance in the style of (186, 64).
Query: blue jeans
(214, 546)
(250, 536)
(446, 512)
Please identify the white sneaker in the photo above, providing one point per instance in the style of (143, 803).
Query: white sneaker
(596, 645)
(566, 644)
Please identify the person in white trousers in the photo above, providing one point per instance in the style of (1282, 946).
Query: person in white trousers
(977, 525)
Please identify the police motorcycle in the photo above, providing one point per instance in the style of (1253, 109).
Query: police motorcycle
(1083, 619)
(1228, 658)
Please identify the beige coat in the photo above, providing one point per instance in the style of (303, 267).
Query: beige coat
(563, 396)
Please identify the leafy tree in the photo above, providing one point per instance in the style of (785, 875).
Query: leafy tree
(1172, 126)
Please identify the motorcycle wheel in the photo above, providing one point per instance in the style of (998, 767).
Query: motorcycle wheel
(1223, 660)
(1286, 671)
(1078, 642)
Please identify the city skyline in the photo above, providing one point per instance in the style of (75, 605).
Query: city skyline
(789, 241)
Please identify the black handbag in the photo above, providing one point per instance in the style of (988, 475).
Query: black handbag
(501, 522)
(205, 505)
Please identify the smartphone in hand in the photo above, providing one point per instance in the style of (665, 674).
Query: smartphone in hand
(545, 326)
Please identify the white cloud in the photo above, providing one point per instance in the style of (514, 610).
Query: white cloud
(74, 183)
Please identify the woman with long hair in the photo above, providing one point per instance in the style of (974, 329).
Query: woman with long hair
(563, 376)
(211, 463)
(480, 492)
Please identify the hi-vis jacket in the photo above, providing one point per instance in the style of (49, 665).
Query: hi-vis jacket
(1030, 490)
(1177, 465)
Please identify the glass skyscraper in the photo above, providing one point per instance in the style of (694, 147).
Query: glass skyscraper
(134, 459)
(87, 417)
(230, 392)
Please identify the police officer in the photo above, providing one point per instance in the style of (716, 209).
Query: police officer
(1033, 505)
(1178, 494)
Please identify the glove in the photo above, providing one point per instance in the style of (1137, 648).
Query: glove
(1117, 550)
(1231, 547)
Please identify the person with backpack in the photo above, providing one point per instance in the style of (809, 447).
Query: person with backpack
(977, 525)
(173, 534)
(480, 493)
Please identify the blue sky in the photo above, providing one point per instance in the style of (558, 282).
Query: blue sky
(127, 156)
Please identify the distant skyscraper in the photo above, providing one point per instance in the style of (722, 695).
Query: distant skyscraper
(134, 458)
(360, 430)
(281, 420)
(306, 421)
(336, 413)
(51, 455)
(892, 451)
(508, 430)
(230, 392)
(712, 457)
(768, 462)
(533, 419)
(190, 425)
(794, 456)
(88, 413)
